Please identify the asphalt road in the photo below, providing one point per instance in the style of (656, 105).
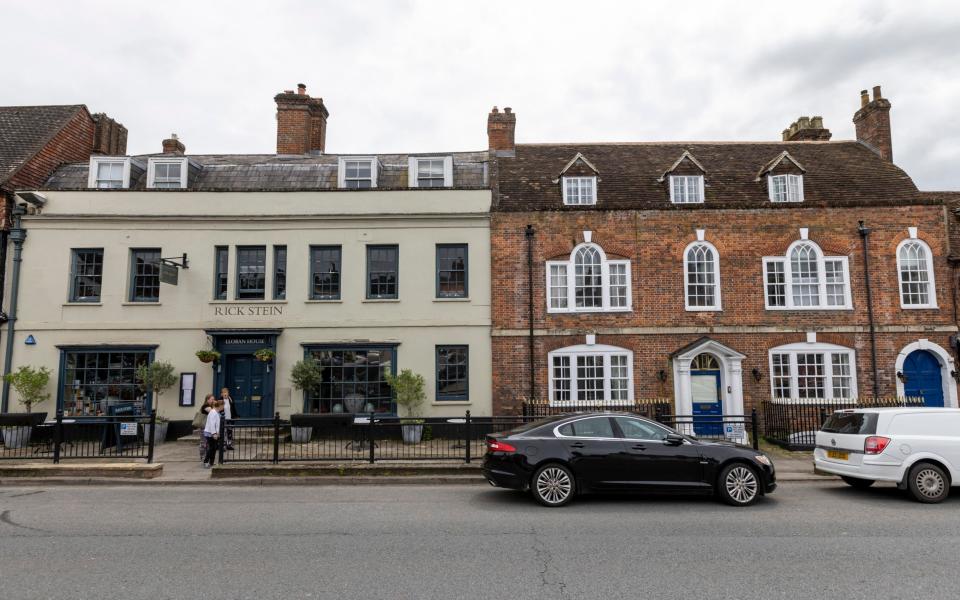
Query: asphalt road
(809, 540)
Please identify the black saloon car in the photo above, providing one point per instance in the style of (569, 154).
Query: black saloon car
(559, 457)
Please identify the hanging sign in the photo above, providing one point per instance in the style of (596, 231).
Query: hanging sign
(168, 273)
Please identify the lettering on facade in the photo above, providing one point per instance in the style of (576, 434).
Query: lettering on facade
(251, 311)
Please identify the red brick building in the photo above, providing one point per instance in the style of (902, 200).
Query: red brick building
(718, 274)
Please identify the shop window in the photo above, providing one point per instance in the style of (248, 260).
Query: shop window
(453, 381)
(103, 382)
(353, 380)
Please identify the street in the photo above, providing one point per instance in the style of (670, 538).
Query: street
(808, 540)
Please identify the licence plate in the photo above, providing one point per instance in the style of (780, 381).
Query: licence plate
(838, 454)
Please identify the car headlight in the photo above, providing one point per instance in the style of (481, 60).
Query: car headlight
(763, 460)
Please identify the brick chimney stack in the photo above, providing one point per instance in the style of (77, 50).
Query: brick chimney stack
(807, 129)
(172, 145)
(301, 122)
(872, 122)
(109, 137)
(500, 130)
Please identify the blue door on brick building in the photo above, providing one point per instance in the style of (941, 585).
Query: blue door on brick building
(705, 396)
(923, 378)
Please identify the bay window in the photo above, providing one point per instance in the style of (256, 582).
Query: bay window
(812, 371)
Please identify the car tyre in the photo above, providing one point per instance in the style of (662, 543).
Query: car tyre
(928, 483)
(738, 485)
(553, 485)
(856, 482)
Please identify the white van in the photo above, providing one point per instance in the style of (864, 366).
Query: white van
(917, 448)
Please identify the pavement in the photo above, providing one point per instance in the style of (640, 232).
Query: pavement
(809, 540)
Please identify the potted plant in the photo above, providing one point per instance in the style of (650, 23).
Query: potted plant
(265, 355)
(305, 376)
(410, 394)
(208, 356)
(31, 386)
(157, 377)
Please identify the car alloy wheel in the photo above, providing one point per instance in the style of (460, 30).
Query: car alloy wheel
(928, 483)
(553, 485)
(741, 484)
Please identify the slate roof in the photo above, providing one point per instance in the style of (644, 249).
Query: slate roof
(24, 130)
(836, 174)
(272, 172)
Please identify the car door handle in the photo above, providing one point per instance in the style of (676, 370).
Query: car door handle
(638, 447)
(577, 445)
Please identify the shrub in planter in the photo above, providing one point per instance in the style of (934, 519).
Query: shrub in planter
(408, 388)
(305, 376)
(208, 356)
(31, 387)
(158, 377)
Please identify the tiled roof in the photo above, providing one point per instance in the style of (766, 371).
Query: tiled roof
(836, 174)
(25, 129)
(271, 172)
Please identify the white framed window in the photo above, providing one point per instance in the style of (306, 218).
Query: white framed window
(805, 279)
(109, 172)
(357, 172)
(686, 189)
(701, 271)
(590, 375)
(167, 173)
(579, 191)
(812, 371)
(785, 188)
(430, 171)
(915, 272)
(588, 282)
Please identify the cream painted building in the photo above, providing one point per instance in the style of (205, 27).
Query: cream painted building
(366, 264)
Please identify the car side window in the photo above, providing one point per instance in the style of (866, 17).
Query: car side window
(598, 427)
(640, 430)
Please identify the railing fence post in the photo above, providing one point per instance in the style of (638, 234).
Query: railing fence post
(153, 434)
(222, 441)
(276, 438)
(755, 426)
(370, 440)
(57, 437)
(467, 440)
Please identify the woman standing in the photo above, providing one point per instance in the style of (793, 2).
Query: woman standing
(229, 413)
(212, 432)
(200, 423)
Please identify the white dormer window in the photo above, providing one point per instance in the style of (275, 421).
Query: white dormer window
(431, 171)
(579, 191)
(167, 173)
(109, 172)
(358, 173)
(686, 189)
(785, 188)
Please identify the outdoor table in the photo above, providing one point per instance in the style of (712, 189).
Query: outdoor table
(459, 443)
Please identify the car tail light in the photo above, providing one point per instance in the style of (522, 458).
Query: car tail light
(875, 444)
(498, 446)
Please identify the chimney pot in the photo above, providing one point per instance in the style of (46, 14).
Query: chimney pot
(864, 98)
(807, 129)
(301, 89)
(507, 110)
(876, 92)
(172, 145)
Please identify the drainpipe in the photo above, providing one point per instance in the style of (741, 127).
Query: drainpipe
(529, 233)
(864, 236)
(17, 235)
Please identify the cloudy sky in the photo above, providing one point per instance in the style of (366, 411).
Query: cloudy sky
(422, 75)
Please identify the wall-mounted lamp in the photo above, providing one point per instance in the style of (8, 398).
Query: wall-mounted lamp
(955, 375)
(901, 377)
(662, 375)
(757, 374)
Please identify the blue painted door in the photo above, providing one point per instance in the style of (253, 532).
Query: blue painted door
(923, 378)
(707, 405)
(245, 378)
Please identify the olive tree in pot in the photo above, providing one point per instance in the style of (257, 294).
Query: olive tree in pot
(31, 386)
(305, 376)
(157, 377)
(409, 390)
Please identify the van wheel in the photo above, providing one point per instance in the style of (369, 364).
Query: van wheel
(553, 485)
(928, 483)
(855, 482)
(738, 485)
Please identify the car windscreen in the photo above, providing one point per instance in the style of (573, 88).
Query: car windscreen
(851, 422)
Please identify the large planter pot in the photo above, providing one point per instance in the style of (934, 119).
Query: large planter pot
(159, 432)
(300, 435)
(412, 433)
(16, 437)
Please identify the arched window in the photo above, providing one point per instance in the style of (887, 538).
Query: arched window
(702, 277)
(588, 282)
(806, 279)
(591, 374)
(915, 268)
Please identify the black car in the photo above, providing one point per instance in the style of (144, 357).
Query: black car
(562, 456)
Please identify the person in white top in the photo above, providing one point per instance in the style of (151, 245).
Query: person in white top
(229, 414)
(212, 432)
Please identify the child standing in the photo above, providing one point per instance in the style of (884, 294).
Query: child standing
(212, 432)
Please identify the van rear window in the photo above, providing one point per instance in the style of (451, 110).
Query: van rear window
(854, 423)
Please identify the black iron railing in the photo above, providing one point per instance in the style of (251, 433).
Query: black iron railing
(648, 407)
(741, 429)
(65, 437)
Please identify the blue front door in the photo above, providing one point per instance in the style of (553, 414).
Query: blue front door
(707, 405)
(245, 378)
(922, 375)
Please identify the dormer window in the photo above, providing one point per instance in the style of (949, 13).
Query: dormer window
(109, 173)
(167, 173)
(358, 173)
(431, 171)
(785, 188)
(579, 191)
(686, 189)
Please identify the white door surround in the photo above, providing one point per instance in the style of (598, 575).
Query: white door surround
(946, 369)
(731, 376)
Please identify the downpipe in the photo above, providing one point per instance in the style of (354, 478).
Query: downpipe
(529, 234)
(864, 237)
(17, 235)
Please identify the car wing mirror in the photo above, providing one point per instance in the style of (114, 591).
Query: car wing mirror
(673, 439)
